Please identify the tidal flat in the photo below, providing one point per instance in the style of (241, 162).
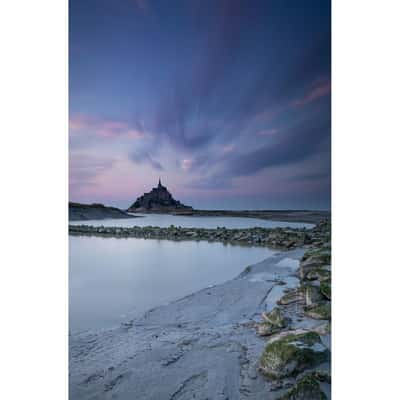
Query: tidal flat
(216, 342)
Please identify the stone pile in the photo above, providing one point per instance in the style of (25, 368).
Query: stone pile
(294, 354)
(280, 238)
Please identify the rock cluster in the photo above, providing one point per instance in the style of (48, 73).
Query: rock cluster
(158, 199)
(288, 353)
(308, 388)
(278, 238)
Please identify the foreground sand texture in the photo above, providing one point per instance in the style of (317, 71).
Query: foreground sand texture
(216, 343)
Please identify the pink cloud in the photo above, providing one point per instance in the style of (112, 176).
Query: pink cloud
(228, 148)
(319, 90)
(187, 164)
(102, 127)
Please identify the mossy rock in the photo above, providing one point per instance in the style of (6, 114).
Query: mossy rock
(293, 296)
(267, 329)
(319, 311)
(320, 274)
(313, 266)
(307, 388)
(291, 354)
(274, 321)
(317, 255)
(321, 375)
(312, 294)
(325, 288)
(275, 317)
(324, 328)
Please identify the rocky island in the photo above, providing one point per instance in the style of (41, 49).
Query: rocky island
(159, 199)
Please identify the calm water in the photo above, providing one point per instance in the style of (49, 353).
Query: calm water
(165, 220)
(113, 280)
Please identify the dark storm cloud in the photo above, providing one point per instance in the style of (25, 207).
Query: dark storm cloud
(313, 176)
(292, 147)
(297, 145)
(185, 109)
(231, 79)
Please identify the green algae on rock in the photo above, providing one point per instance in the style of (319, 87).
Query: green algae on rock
(274, 321)
(307, 388)
(319, 311)
(292, 353)
(275, 317)
(325, 288)
(312, 294)
(320, 273)
(292, 296)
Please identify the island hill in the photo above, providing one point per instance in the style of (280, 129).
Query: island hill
(160, 200)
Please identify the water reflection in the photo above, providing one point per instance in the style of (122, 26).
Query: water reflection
(112, 280)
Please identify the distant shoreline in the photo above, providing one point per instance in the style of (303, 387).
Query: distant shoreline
(84, 212)
(305, 216)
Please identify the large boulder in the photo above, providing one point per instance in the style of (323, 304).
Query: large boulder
(307, 388)
(292, 353)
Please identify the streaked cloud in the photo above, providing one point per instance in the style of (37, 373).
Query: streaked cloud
(85, 168)
(143, 157)
(321, 89)
(105, 128)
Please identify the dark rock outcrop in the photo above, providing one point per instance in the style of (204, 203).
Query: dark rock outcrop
(81, 212)
(159, 199)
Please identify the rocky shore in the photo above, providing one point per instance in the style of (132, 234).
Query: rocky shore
(280, 238)
(293, 351)
(263, 335)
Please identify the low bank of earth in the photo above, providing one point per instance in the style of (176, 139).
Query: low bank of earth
(263, 335)
(307, 216)
(82, 212)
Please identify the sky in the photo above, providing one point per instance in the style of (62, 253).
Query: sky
(228, 101)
